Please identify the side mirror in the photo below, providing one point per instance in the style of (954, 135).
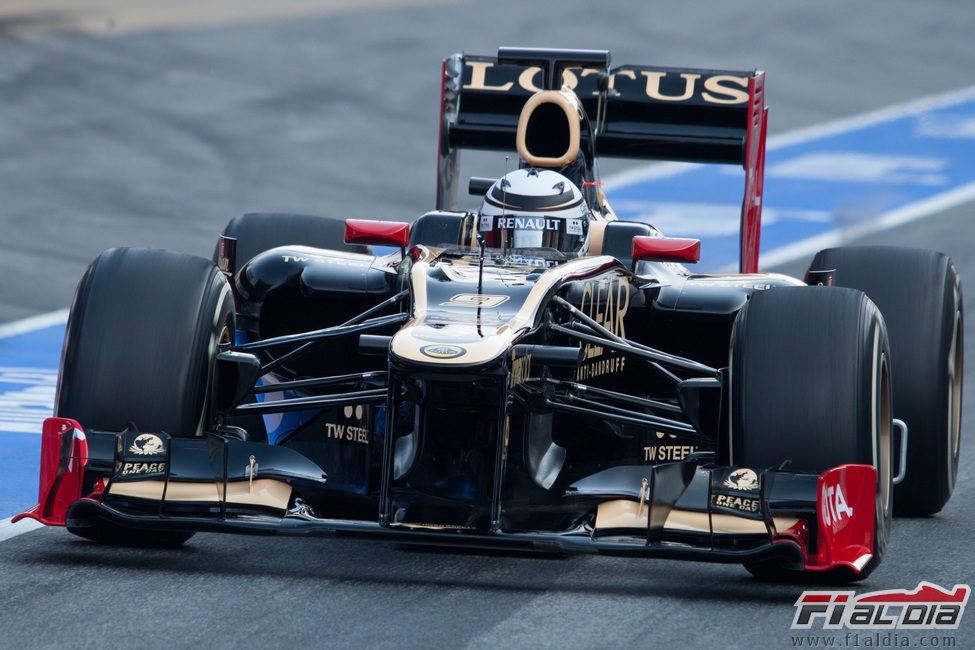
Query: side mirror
(378, 233)
(666, 249)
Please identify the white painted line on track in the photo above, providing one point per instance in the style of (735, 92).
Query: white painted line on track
(8, 530)
(871, 118)
(891, 219)
(901, 215)
(33, 323)
(805, 134)
(649, 172)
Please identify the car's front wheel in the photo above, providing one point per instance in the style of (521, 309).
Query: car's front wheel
(810, 390)
(139, 350)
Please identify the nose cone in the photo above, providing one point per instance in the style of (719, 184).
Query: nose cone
(463, 316)
(454, 344)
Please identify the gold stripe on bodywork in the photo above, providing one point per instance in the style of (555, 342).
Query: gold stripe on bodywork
(596, 231)
(261, 492)
(622, 513)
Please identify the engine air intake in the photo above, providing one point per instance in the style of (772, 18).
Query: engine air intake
(548, 129)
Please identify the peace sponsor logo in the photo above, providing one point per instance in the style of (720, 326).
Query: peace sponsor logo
(147, 444)
(127, 469)
(742, 479)
(927, 607)
(743, 504)
(443, 351)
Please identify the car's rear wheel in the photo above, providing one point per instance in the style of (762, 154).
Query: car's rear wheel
(810, 390)
(139, 350)
(257, 232)
(919, 293)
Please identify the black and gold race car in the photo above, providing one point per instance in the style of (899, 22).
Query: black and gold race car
(535, 375)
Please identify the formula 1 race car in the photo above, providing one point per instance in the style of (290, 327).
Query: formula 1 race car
(536, 375)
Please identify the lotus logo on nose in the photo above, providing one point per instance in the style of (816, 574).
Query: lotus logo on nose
(443, 351)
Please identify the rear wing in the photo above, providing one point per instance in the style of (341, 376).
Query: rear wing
(639, 112)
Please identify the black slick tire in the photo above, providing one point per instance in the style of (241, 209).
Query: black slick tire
(919, 293)
(810, 390)
(257, 232)
(139, 348)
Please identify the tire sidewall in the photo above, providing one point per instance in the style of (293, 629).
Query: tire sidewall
(215, 321)
(952, 326)
(876, 404)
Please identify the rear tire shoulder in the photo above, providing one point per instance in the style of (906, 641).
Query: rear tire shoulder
(919, 293)
(257, 232)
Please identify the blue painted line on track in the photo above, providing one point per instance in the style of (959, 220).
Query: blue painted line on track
(833, 181)
(19, 467)
(898, 162)
(28, 378)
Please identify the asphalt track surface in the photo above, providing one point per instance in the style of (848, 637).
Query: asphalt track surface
(157, 137)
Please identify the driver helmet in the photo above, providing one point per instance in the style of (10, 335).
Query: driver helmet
(535, 208)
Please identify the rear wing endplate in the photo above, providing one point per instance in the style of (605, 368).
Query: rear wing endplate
(640, 112)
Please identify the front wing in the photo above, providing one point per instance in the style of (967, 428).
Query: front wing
(689, 510)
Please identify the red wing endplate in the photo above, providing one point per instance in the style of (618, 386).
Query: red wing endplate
(846, 519)
(64, 454)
